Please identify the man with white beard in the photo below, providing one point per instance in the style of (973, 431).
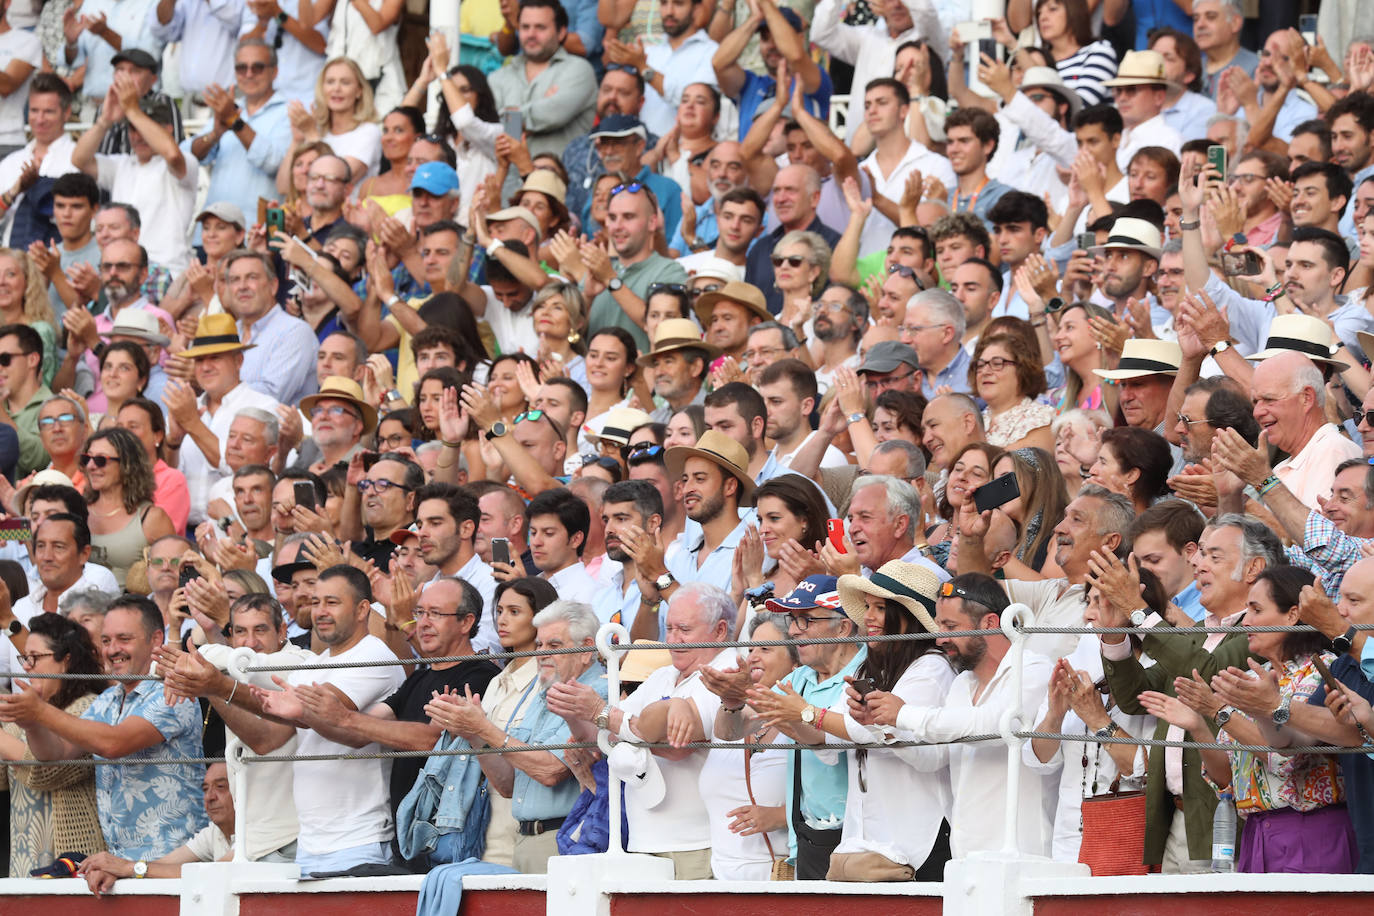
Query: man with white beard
(725, 171)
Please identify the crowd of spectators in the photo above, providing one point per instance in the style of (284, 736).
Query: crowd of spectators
(324, 338)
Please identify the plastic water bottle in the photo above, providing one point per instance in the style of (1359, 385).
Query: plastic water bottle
(1224, 835)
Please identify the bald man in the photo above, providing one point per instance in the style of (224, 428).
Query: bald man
(1290, 399)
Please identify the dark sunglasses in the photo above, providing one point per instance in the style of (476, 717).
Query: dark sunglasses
(98, 461)
(256, 66)
(7, 358)
(1359, 412)
(708, 288)
(604, 461)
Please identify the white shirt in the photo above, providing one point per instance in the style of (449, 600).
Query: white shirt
(679, 822)
(1154, 132)
(194, 464)
(478, 575)
(833, 458)
(345, 803)
(165, 202)
(878, 228)
(682, 66)
(1055, 603)
(1075, 781)
(514, 330)
(735, 857)
(17, 44)
(363, 143)
(56, 163)
(574, 583)
(908, 788)
(978, 772)
(31, 605)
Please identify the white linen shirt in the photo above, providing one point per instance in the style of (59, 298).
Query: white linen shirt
(200, 475)
(574, 583)
(1154, 132)
(878, 229)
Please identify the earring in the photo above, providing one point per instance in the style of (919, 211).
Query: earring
(574, 337)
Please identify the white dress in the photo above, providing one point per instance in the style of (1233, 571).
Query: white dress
(378, 56)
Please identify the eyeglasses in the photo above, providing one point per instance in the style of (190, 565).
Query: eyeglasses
(792, 260)
(761, 353)
(423, 614)
(911, 329)
(98, 461)
(7, 358)
(1361, 414)
(908, 272)
(1241, 177)
(802, 622)
(381, 486)
(29, 659)
(395, 441)
(334, 410)
(158, 562)
(256, 67)
(329, 179)
(835, 307)
(708, 288)
(996, 364)
(121, 266)
(882, 384)
(679, 288)
(1184, 419)
(60, 418)
(632, 187)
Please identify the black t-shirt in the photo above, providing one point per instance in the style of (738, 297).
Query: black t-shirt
(408, 705)
(378, 552)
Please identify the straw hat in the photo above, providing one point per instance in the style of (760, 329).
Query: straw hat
(1142, 357)
(677, 334)
(616, 425)
(1133, 234)
(719, 449)
(1305, 334)
(914, 587)
(215, 334)
(545, 182)
(1049, 78)
(140, 324)
(1141, 68)
(639, 664)
(717, 269)
(743, 294)
(342, 388)
(45, 477)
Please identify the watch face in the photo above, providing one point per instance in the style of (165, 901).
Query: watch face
(808, 715)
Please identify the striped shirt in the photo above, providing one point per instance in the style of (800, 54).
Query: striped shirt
(1087, 69)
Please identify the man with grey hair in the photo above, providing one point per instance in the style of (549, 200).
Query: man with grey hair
(1231, 554)
(672, 705)
(1290, 406)
(1090, 535)
(252, 439)
(279, 360)
(539, 783)
(86, 607)
(795, 196)
(934, 328)
(898, 458)
(950, 422)
(884, 524)
(1216, 29)
(767, 343)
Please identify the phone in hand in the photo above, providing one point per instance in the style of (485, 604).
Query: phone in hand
(996, 493)
(188, 572)
(500, 551)
(863, 686)
(304, 491)
(1086, 241)
(834, 531)
(1307, 26)
(1241, 263)
(513, 123)
(1216, 160)
(275, 220)
(370, 459)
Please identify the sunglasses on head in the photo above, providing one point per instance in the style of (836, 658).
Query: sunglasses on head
(909, 273)
(639, 453)
(633, 187)
(792, 260)
(98, 461)
(950, 590)
(680, 288)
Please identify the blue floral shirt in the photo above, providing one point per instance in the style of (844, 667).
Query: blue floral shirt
(147, 810)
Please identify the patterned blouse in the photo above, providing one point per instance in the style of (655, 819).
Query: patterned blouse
(1303, 782)
(1015, 424)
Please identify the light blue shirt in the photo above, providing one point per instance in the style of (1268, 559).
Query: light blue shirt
(1190, 602)
(1250, 318)
(707, 229)
(955, 375)
(824, 786)
(148, 810)
(1347, 226)
(583, 20)
(282, 362)
(240, 175)
(617, 604)
(531, 800)
(1296, 108)
(1189, 115)
(209, 32)
(716, 568)
(129, 18)
(689, 63)
(989, 195)
(297, 66)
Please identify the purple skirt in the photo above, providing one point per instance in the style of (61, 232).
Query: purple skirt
(1285, 840)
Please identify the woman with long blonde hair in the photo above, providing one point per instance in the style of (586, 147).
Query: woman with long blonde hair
(344, 116)
(24, 300)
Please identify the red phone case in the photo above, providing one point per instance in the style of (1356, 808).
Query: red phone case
(834, 529)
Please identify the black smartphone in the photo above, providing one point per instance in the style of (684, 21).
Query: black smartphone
(188, 572)
(304, 492)
(1087, 241)
(863, 686)
(1216, 160)
(996, 493)
(276, 220)
(1241, 263)
(369, 459)
(1307, 26)
(500, 551)
(989, 47)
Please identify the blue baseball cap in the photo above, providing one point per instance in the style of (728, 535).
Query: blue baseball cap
(621, 125)
(813, 591)
(438, 178)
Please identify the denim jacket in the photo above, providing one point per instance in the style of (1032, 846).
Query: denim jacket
(449, 796)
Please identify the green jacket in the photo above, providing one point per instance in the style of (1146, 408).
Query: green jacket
(1174, 655)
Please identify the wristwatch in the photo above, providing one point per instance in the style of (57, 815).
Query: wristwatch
(856, 417)
(664, 582)
(603, 718)
(1341, 644)
(140, 869)
(1221, 347)
(1138, 616)
(15, 627)
(1281, 712)
(1224, 714)
(1107, 731)
(808, 714)
(498, 429)
(614, 284)
(648, 74)
(495, 246)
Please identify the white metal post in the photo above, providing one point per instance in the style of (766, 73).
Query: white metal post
(611, 652)
(1010, 722)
